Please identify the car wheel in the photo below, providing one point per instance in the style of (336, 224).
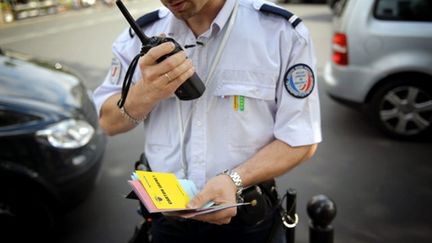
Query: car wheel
(403, 109)
(24, 215)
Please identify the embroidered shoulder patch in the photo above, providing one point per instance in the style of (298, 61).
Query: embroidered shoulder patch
(115, 71)
(299, 80)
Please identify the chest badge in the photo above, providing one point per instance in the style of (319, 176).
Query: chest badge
(299, 80)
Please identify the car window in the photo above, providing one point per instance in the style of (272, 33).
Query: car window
(404, 10)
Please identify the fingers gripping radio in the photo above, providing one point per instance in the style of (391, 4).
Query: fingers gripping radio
(191, 89)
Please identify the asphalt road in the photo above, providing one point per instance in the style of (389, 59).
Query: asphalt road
(382, 187)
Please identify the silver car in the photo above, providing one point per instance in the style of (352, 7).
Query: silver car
(382, 60)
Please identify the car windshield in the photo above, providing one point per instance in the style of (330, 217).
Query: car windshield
(404, 10)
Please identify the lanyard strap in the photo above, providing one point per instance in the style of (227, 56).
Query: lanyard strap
(213, 66)
(128, 77)
(223, 43)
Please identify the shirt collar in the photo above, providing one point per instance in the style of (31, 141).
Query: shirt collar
(178, 27)
(223, 16)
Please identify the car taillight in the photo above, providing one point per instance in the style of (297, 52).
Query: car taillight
(340, 49)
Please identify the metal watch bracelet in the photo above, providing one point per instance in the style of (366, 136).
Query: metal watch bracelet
(235, 177)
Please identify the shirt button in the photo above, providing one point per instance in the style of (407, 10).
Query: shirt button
(199, 123)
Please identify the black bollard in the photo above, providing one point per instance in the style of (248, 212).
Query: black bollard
(321, 211)
(290, 218)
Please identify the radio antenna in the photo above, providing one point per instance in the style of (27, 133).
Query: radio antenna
(132, 23)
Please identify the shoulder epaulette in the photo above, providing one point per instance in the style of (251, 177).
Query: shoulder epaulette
(145, 20)
(293, 19)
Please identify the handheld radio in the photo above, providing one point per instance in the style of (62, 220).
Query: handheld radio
(191, 89)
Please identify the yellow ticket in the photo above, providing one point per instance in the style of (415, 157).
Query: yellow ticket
(164, 189)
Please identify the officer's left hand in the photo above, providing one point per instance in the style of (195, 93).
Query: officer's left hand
(219, 189)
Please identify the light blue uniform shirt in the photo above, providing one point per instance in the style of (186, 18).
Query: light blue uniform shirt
(246, 104)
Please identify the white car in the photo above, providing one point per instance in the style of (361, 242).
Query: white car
(382, 60)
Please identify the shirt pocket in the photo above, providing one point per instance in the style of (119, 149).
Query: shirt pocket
(250, 102)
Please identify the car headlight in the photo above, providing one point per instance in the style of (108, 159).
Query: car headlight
(68, 134)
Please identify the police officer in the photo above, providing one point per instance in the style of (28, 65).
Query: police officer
(258, 118)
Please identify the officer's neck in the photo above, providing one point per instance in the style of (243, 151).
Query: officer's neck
(200, 22)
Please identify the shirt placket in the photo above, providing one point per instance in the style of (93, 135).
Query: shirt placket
(198, 129)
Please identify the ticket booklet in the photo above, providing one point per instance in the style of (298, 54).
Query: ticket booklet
(164, 193)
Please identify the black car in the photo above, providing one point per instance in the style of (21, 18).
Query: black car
(51, 146)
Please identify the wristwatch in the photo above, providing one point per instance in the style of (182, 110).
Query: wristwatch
(235, 177)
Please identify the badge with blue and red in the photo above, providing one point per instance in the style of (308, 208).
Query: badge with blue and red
(299, 80)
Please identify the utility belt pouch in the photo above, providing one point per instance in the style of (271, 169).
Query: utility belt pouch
(263, 199)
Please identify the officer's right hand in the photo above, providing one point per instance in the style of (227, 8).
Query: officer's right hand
(160, 80)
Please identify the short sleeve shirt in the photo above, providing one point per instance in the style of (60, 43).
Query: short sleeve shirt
(264, 88)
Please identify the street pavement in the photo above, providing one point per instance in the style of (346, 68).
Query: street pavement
(382, 187)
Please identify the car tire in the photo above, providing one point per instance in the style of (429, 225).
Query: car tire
(24, 213)
(402, 108)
